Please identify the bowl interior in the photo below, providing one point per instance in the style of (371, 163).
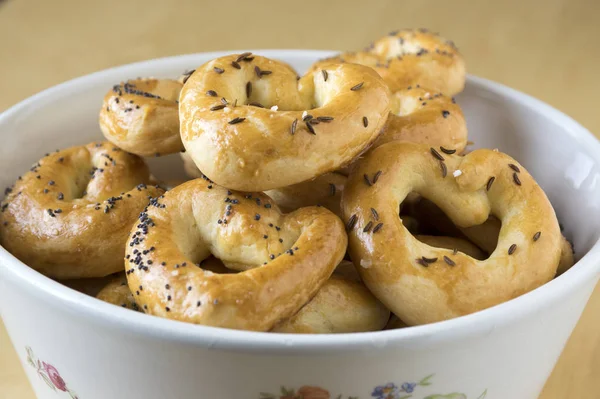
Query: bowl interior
(558, 152)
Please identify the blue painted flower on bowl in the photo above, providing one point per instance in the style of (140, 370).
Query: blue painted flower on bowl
(408, 387)
(388, 391)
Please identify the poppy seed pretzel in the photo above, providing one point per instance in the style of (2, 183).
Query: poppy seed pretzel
(342, 304)
(422, 284)
(70, 215)
(286, 258)
(409, 57)
(117, 292)
(249, 124)
(142, 116)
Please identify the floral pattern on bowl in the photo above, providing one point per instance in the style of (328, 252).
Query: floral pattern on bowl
(49, 374)
(390, 390)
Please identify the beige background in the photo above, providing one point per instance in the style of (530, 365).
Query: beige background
(547, 48)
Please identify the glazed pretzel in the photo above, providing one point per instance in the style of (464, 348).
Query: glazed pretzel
(249, 124)
(409, 57)
(328, 311)
(287, 257)
(141, 116)
(70, 215)
(484, 235)
(419, 115)
(118, 293)
(325, 190)
(342, 305)
(422, 284)
(451, 243)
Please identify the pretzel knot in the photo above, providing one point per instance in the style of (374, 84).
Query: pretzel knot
(69, 216)
(141, 116)
(285, 258)
(423, 284)
(249, 124)
(409, 57)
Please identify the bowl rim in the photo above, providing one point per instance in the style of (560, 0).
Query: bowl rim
(157, 328)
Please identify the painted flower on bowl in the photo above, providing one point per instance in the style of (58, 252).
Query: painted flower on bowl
(408, 387)
(450, 396)
(388, 391)
(307, 392)
(55, 377)
(49, 374)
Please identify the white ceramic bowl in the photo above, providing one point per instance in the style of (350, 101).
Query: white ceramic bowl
(92, 350)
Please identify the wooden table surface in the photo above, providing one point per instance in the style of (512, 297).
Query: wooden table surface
(547, 48)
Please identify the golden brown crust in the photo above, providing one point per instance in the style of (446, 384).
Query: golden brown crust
(453, 243)
(409, 57)
(341, 306)
(245, 231)
(70, 215)
(141, 116)
(419, 115)
(444, 285)
(484, 235)
(118, 293)
(251, 148)
(325, 190)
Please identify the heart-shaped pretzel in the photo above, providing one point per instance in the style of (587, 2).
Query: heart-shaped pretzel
(249, 124)
(141, 116)
(70, 215)
(409, 57)
(422, 284)
(342, 304)
(484, 235)
(447, 242)
(287, 258)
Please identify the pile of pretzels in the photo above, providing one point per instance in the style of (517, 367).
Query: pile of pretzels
(344, 200)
